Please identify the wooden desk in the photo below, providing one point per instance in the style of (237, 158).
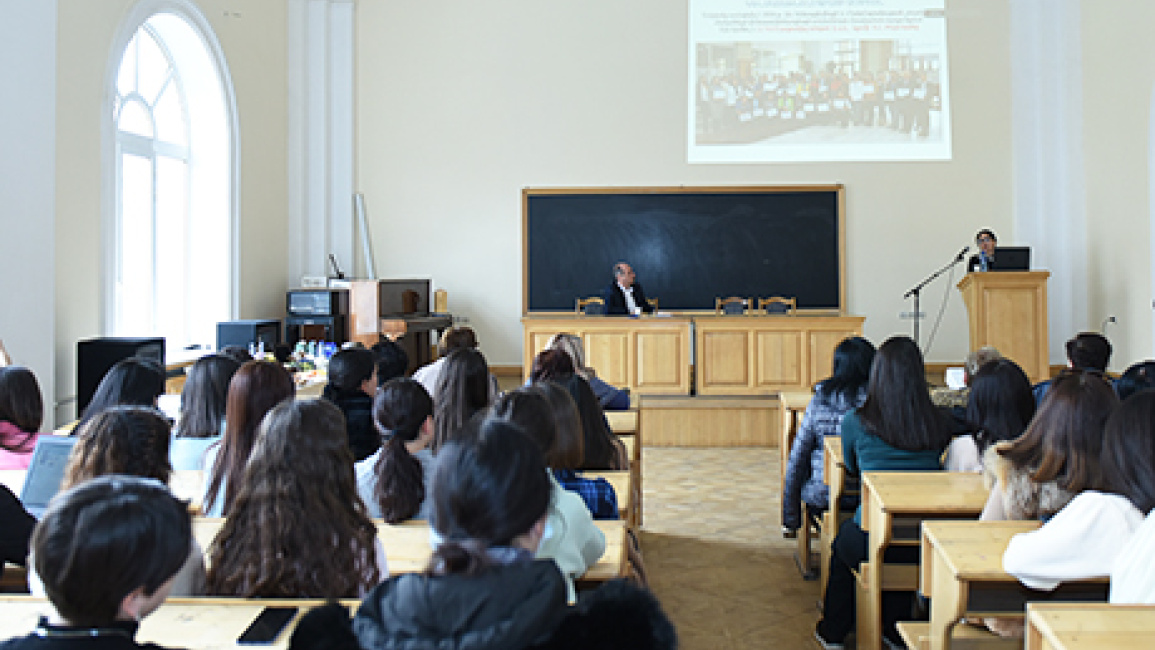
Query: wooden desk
(194, 623)
(623, 422)
(835, 476)
(649, 355)
(760, 354)
(894, 504)
(1089, 626)
(791, 407)
(407, 546)
(962, 574)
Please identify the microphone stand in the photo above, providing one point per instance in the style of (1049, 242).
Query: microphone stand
(917, 290)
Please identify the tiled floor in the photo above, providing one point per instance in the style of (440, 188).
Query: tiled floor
(715, 554)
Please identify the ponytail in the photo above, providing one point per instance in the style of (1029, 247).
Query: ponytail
(465, 557)
(400, 482)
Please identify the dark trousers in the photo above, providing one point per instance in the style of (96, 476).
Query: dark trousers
(838, 609)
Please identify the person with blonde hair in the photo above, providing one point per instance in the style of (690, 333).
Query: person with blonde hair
(609, 397)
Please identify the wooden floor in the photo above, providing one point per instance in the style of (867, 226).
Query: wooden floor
(714, 550)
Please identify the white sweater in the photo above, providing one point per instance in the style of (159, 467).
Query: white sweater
(1133, 576)
(1081, 541)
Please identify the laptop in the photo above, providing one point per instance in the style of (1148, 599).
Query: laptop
(1013, 258)
(45, 472)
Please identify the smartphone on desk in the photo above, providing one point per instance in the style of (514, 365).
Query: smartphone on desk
(267, 626)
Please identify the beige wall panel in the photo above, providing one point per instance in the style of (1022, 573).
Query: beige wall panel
(725, 359)
(822, 346)
(736, 423)
(608, 353)
(662, 359)
(779, 359)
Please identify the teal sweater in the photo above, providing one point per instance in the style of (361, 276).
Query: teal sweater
(866, 452)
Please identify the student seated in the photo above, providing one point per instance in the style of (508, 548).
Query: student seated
(127, 441)
(257, 387)
(131, 382)
(352, 385)
(565, 457)
(392, 360)
(609, 397)
(202, 410)
(296, 527)
(570, 537)
(483, 588)
(462, 391)
(108, 551)
(15, 528)
(21, 414)
(601, 448)
(1087, 351)
(394, 481)
(458, 337)
(897, 428)
(1083, 540)
(834, 397)
(999, 407)
(1057, 457)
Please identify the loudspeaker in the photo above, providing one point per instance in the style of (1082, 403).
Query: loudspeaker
(95, 357)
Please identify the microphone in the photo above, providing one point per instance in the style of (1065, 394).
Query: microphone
(962, 253)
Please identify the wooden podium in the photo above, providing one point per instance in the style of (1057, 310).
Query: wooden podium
(1008, 309)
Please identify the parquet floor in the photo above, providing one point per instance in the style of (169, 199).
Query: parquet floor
(714, 551)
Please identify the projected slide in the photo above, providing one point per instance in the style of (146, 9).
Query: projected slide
(818, 81)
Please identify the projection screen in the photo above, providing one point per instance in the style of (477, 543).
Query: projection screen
(817, 81)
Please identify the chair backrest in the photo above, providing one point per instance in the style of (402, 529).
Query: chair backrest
(653, 303)
(592, 306)
(778, 305)
(732, 306)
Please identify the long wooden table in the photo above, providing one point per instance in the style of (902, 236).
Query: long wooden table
(837, 478)
(894, 505)
(194, 623)
(408, 549)
(962, 574)
(1089, 626)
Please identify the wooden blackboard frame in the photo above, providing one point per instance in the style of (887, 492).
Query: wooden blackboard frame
(837, 189)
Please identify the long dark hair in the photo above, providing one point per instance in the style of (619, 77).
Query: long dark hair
(601, 448)
(851, 369)
(400, 409)
(568, 447)
(1000, 404)
(1064, 441)
(131, 440)
(487, 491)
(1129, 451)
(528, 408)
(898, 407)
(134, 381)
(257, 387)
(297, 528)
(462, 390)
(203, 399)
(21, 403)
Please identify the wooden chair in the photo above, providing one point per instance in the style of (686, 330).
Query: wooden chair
(778, 305)
(592, 306)
(732, 306)
(653, 303)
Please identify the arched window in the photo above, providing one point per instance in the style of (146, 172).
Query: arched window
(173, 261)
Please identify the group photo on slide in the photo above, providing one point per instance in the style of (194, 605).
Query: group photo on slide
(817, 92)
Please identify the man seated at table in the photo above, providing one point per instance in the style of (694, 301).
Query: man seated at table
(107, 551)
(624, 296)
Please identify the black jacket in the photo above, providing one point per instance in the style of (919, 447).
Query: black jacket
(16, 529)
(504, 608)
(116, 636)
(358, 410)
(616, 300)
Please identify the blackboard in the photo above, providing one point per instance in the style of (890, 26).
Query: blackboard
(688, 246)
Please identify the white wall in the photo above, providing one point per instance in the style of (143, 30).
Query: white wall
(461, 104)
(28, 185)
(1118, 82)
(253, 37)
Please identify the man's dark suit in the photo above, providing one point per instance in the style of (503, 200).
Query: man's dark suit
(616, 300)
